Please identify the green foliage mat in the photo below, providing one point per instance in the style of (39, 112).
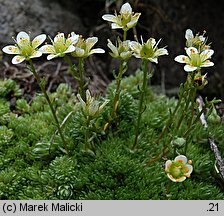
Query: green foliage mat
(34, 166)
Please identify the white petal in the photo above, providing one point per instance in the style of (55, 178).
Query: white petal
(181, 158)
(190, 169)
(191, 50)
(171, 177)
(59, 37)
(115, 26)
(189, 68)
(79, 52)
(126, 8)
(70, 49)
(202, 38)
(161, 51)
(206, 54)
(181, 59)
(207, 63)
(135, 46)
(151, 41)
(36, 54)
(51, 56)
(132, 23)
(47, 49)
(109, 17)
(112, 48)
(167, 164)
(17, 59)
(125, 55)
(22, 37)
(73, 39)
(11, 49)
(90, 42)
(189, 34)
(181, 179)
(38, 40)
(155, 60)
(97, 50)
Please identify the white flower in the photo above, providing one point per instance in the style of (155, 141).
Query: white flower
(91, 108)
(121, 50)
(148, 50)
(179, 169)
(24, 49)
(125, 20)
(60, 45)
(197, 41)
(195, 60)
(83, 48)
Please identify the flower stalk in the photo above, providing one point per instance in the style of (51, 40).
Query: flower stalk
(42, 87)
(141, 100)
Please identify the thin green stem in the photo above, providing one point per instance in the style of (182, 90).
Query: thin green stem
(143, 90)
(32, 68)
(122, 70)
(87, 133)
(125, 36)
(81, 79)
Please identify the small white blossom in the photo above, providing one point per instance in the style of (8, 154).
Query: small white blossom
(125, 20)
(148, 50)
(25, 49)
(121, 50)
(179, 169)
(195, 60)
(60, 45)
(83, 48)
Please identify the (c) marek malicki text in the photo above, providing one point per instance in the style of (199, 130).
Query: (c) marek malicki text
(54, 207)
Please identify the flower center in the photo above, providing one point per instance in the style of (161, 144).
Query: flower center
(195, 60)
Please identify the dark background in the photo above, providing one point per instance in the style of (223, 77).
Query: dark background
(159, 19)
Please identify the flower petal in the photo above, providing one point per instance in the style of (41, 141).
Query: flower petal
(161, 51)
(207, 63)
(171, 177)
(135, 46)
(90, 42)
(126, 8)
(47, 49)
(167, 165)
(38, 40)
(134, 21)
(189, 34)
(206, 54)
(181, 158)
(189, 169)
(115, 26)
(22, 38)
(109, 17)
(181, 179)
(36, 54)
(112, 48)
(59, 37)
(154, 59)
(11, 49)
(70, 49)
(191, 50)
(51, 56)
(189, 68)
(79, 52)
(97, 50)
(17, 59)
(182, 59)
(73, 39)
